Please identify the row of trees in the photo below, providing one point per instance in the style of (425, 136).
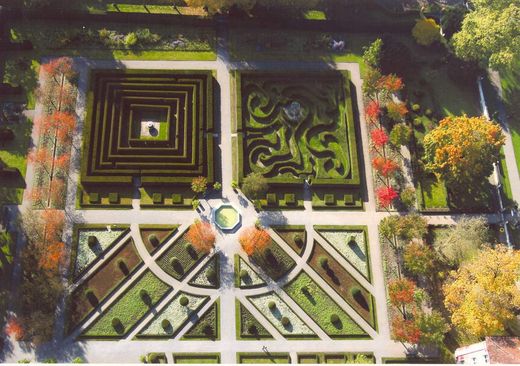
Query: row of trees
(55, 127)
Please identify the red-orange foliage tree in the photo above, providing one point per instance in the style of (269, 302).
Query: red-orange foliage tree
(59, 124)
(254, 240)
(401, 292)
(391, 83)
(379, 137)
(386, 195)
(384, 166)
(405, 331)
(61, 66)
(373, 110)
(201, 236)
(14, 329)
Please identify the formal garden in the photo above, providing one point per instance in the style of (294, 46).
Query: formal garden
(188, 185)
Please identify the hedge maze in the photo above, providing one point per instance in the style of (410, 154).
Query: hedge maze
(293, 127)
(153, 125)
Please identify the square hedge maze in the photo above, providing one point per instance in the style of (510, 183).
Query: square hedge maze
(148, 124)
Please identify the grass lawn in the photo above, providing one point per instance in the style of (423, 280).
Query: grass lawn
(257, 358)
(196, 358)
(129, 308)
(511, 96)
(320, 307)
(14, 154)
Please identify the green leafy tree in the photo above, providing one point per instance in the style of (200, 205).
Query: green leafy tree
(426, 31)
(418, 258)
(433, 328)
(199, 184)
(408, 197)
(398, 229)
(222, 6)
(400, 134)
(490, 33)
(254, 185)
(461, 242)
(372, 53)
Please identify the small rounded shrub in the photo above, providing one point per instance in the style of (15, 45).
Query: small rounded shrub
(252, 329)
(304, 289)
(121, 264)
(145, 296)
(174, 261)
(416, 108)
(152, 238)
(298, 240)
(211, 275)
(184, 301)
(165, 324)
(244, 274)
(334, 318)
(271, 305)
(428, 112)
(91, 297)
(208, 330)
(285, 321)
(188, 247)
(116, 323)
(92, 241)
(324, 262)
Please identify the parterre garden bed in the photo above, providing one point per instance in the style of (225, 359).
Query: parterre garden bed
(294, 235)
(351, 242)
(180, 258)
(122, 139)
(274, 261)
(341, 358)
(196, 358)
(256, 357)
(321, 308)
(343, 283)
(154, 236)
(129, 308)
(209, 275)
(293, 127)
(248, 327)
(207, 325)
(104, 281)
(251, 279)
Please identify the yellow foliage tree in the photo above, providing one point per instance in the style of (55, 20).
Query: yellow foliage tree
(483, 295)
(426, 31)
(463, 149)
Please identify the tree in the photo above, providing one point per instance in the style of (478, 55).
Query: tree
(14, 329)
(391, 83)
(433, 327)
(401, 292)
(401, 134)
(254, 185)
(58, 67)
(462, 241)
(372, 53)
(490, 33)
(254, 240)
(408, 197)
(404, 330)
(399, 229)
(199, 184)
(418, 258)
(426, 31)
(396, 111)
(371, 82)
(201, 236)
(385, 196)
(462, 142)
(385, 166)
(483, 294)
(221, 6)
(59, 124)
(373, 110)
(379, 137)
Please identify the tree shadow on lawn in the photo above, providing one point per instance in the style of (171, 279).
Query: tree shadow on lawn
(268, 218)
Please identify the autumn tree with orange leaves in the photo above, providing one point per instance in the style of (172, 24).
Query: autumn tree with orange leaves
(462, 150)
(201, 236)
(254, 240)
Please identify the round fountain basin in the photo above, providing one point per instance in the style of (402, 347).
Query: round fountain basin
(226, 217)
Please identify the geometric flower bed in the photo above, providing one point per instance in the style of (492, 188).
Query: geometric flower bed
(351, 243)
(273, 260)
(207, 326)
(173, 316)
(343, 283)
(112, 273)
(152, 125)
(260, 358)
(251, 280)
(321, 308)
(129, 308)
(248, 327)
(294, 235)
(86, 254)
(294, 328)
(208, 276)
(297, 126)
(154, 236)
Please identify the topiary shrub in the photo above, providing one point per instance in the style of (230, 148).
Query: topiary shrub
(123, 267)
(176, 265)
(360, 298)
(290, 199)
(271, 305)
(184, 301)
(176, 199)
(92, 241)
(329, 199)
(252, 329)
(117, 325)
(208, 330)
(91, 297)
(271, 199)
(334, 318)
(152, 238)
(324, 262)
(244, 274)
(113, 198)
(285, 321)
(157, 198)
(416, 108)
(211, 275)
(298, 240)
(190, 250)
(145, 296)
(165, 324)
(93, 197)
